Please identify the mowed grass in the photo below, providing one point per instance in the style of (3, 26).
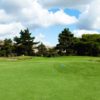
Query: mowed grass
(61, 78)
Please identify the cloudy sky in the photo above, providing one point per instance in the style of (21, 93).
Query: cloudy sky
(47, 18)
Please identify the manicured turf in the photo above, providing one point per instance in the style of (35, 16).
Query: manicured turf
(61, 78)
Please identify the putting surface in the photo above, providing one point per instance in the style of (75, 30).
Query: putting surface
(61, 78)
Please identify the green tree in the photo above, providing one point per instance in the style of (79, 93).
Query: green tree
(42, 50)
(91, 37)
(7, 48)
(88, 44)
(24, 44)
(52, 52)
(65, 44)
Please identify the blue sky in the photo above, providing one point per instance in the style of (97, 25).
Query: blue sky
(47, 18)
(72, 12)
(51, 33)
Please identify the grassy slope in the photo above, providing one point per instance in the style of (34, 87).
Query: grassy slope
(62, 78)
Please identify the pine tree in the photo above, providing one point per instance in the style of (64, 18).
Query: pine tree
(65, 42)
(24, 43)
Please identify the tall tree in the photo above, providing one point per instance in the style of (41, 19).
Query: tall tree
(42, 50)
(65, 42)
(24, 43)
(52, 52)
(7, 48)
(88, 44)
(91, 37)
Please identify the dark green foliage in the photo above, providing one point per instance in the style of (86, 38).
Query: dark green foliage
(24, 44)
(65, 42)
(6, 48)
(42, 50)
(52, 52)
(46, 52)
(87, 45)
(91, 37)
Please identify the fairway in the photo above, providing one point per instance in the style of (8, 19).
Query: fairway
(61, 78)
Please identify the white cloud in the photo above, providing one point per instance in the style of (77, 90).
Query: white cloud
(18, 14)
(37, 15)
(29, 13)
(13, 6)
(10, 30)
(80, 4)
(90, 18)
(40, 37)
(79, 33)
(4, 17)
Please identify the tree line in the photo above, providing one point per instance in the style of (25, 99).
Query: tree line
(68, 44)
